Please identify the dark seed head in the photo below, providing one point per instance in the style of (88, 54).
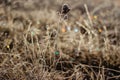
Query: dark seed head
(65, 9)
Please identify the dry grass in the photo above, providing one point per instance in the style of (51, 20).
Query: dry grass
(36, 44)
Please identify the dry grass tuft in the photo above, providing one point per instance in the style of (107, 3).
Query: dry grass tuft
(82, 42)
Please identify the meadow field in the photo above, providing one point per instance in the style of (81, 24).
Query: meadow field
(59, 39)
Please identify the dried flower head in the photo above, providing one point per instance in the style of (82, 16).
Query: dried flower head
(65, 9)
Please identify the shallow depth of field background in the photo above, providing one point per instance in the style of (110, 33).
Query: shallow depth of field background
(38, 42)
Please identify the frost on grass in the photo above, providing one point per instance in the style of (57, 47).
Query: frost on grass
(82, 42)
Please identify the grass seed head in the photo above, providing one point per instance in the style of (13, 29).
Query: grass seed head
(65, 9)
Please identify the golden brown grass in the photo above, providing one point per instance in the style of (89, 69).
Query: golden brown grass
(33, 47)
